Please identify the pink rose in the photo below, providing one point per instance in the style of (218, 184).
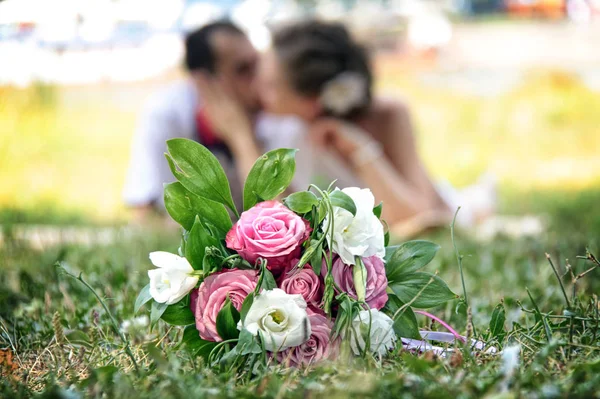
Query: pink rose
(208, 300)
(304, 282)
(271, 231)
(376, 296)
(317, 348)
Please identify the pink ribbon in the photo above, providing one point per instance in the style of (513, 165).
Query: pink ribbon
(422, 345)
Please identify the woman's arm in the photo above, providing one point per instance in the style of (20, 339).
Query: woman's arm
(397, 137)
(366, 156)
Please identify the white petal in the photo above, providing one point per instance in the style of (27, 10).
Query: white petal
(289, 331)
(382, 337)
(273, 342)
(363, 198)
(168, 260)
(184, 288)
(297, 337)
(159, 291)
(271, 325)
(252, 328)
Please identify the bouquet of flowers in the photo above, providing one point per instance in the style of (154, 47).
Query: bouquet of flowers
(292, 281)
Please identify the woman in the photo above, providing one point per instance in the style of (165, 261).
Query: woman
(318, 73)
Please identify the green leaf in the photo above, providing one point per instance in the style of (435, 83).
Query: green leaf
(268, 281)
(321, 213)
(409, 257)
(192, 342)
(342, 200)
(183, 206)
(316, 260)
(247, 343)
(227, 320)
(246, 305)
(436, 292)
(142, 298)
(157, 311)
(405, 322)
(347, 312)
(179, 314)
(301, 202)
(271, 174)
(389, 251)
(213, 258)
(199, 171)
(377, 210)
(199, 238)
(497, 321)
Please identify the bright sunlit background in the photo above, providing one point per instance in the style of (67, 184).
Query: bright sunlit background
(510, 87)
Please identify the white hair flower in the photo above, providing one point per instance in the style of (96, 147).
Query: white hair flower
(172, 280)
(344, 92)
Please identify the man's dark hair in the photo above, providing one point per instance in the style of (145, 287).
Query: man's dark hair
(199, 53)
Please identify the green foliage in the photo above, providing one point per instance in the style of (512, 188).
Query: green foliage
(301, 202)
(183, 206)
(405, 321)
(422, 290)
(143, 298)
(342, 200)
(246, 305)
(227, 320)
(199, 171)
(157, 311)
(497, 322)
(419, 289)
(378, 209)
(196, 345)
(198, 240)
(271, 174)
(179, 314)
(409, 257)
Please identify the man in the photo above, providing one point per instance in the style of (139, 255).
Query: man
(217, 52)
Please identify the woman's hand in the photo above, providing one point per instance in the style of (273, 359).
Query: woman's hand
(227, 117)
(346, 139)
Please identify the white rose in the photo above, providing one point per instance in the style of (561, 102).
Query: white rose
(382, 337)
(172, 280)
(361, 235)
(280, 318)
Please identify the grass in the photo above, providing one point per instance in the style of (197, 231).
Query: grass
(62, 342)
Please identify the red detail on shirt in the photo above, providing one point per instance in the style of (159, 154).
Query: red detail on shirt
(205, 131)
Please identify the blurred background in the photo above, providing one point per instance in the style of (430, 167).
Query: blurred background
(510, 87)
